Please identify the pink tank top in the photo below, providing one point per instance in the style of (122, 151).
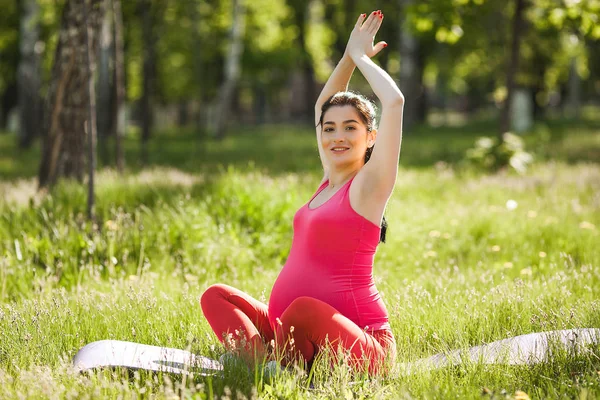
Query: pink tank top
(331, 260)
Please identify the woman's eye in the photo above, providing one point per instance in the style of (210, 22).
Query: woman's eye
(350, 128)
(328, 129)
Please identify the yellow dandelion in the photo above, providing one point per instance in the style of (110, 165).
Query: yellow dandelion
(496, 248)
(527, 271)
(542, 254)
(434, 234)
(508, 265)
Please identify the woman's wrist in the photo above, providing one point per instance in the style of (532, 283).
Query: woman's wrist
(356, 56)
(346, 58)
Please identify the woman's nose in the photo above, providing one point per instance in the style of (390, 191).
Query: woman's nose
(338, 136)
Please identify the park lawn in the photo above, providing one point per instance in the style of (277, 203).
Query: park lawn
(462, 265)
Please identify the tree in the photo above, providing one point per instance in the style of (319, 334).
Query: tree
(67, 104)
(232, 66)
(29, 74)
(411, 67)
(304, 109)
(118, 110)
(105, 81)
(513, 66)
(91, 120)
(149, 68)
(9, 58)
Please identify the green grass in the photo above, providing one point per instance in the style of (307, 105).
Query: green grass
(460, 268)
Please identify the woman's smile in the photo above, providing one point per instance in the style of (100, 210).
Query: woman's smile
(339, 150)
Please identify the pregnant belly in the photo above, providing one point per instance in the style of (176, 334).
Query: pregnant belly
(293, 283)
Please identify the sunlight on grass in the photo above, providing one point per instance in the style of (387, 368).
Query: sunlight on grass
(470, 259)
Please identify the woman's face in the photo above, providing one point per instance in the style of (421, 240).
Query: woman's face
(344, 136)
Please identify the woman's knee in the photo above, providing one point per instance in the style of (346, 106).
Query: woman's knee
(303, 310)
(214, 293)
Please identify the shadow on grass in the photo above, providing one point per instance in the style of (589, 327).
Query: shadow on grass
(293, 148)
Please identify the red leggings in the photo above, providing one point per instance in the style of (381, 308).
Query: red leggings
(239, 320)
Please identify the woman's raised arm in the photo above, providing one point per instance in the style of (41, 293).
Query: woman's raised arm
(382, 167)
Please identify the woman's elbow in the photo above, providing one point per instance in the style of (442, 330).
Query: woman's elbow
(395, 100)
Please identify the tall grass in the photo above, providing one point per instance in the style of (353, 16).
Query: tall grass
(470, 258)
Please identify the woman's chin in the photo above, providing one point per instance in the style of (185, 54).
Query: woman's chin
(342, 162)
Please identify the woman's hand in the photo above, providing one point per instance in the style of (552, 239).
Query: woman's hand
(361, 38)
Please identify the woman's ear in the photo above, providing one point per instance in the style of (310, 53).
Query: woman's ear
(371, 138)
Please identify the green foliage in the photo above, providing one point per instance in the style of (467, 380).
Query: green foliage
(492, 154)
(9, 44)
(462, 43)
(578, 17)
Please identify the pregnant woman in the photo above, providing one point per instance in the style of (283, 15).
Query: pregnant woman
(325, 294)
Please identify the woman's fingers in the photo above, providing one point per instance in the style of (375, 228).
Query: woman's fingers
(378, 47)
(376, 23)
(369, 21)
(360, 20)
(372, 21)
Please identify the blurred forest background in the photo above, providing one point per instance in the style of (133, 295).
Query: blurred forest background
(198, 117)
(209, 67)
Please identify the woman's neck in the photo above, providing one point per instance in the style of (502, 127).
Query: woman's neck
(338, 178)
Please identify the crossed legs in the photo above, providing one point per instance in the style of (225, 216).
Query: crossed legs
(306, 327)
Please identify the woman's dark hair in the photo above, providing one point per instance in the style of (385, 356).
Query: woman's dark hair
(367, 111)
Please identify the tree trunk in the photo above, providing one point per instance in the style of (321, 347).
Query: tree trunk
(148, 68)
(29, 74)
(91, 121)
(513, 66)
(232, 67)
(573, 105)
(68, 98)
(411, 70)
(537, 89)
(8, 101)
(303, 83)
(305, 111)
(197, 65)
(183, 115)
(118, 110)
(260, 103)
(105, 83)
